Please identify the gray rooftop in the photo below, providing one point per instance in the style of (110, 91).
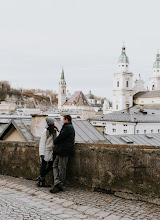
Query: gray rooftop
(131, 115)
(85, 132)
(135, 139)
(22, 125)
(147, 94)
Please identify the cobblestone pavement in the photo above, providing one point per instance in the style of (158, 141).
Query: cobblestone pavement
(22, 199)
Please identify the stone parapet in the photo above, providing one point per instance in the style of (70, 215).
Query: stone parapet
(121, 169)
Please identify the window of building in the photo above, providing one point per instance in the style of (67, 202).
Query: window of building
(63, 91)
(104, 123)
(127, 83)
(124, 124)
(144, 131)
(153, 87)
(158, 130)
(117, 83)
(122, 65)
(116, 107)
(113, 124)
(125, 131)
(151, 131)
(94, 123)
(114, 130)
(137, 131)
(157, 70)
(126, 65)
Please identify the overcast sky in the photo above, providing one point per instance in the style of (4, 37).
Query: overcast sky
(38, 37)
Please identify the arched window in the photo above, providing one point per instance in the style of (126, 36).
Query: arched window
(127, 83)
(117, 83)
(153, 87)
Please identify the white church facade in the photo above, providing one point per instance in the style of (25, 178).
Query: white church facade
(125, 95)
(122, 84)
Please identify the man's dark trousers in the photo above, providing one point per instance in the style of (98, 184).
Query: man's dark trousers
(59, 169)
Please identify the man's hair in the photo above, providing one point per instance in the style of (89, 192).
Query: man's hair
(68, 117)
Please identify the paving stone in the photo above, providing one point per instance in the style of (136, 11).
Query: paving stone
(22, 198)
(67, 204)
(92, 211)
(102, 214)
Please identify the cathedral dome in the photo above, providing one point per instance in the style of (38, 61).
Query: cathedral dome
(123, 57)
(90, 95)
(157, 62)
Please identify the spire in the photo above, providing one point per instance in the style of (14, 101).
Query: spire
(62, 75)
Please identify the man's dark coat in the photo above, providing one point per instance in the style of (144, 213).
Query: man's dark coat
(64, 143)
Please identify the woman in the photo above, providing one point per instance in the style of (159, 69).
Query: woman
(46, 151)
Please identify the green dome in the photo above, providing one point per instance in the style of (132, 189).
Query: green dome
(123, 57)
(157, 62)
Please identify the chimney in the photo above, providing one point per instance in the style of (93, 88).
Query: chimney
(141, 108)
(38, 124)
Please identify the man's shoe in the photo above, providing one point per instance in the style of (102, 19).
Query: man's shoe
(60, 186)
(54, 190)
(57, 188)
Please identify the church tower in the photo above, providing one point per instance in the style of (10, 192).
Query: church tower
(62, 91)
(122, 84)
(154, 81)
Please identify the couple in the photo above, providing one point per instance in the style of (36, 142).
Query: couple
(55, 151)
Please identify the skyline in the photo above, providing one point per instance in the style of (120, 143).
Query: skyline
(85, 37)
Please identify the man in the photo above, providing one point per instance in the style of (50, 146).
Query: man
(63, 148)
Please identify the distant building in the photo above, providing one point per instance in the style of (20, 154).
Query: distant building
(122, 84)
(7, 107)
(78, 101)
(129, 121)
(154, 80)
(125, 95)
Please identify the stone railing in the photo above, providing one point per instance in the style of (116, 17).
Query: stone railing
(122, 169)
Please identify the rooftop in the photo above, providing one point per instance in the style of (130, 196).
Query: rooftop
(135, 139)
(78, 99)
(132, 115)
(147, 94)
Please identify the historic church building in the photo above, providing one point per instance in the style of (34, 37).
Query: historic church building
(125, 95)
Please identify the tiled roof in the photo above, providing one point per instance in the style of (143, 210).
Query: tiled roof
(23, 126)
(147, 94)
(78, 99)
(131, 115)
(85, 132)
(135, 139)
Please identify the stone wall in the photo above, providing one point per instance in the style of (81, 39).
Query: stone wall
(114, 168)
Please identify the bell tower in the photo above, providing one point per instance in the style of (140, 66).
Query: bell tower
(62, 91)
(122, 84)
(154, 81)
